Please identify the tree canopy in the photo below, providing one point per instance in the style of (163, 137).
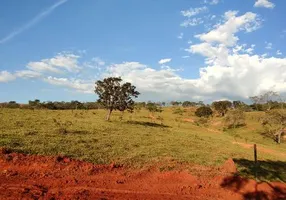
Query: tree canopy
(221, 106)
(115, 96)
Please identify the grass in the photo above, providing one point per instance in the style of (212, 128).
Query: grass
(135, 141)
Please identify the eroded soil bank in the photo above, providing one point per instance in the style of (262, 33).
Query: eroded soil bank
(45, 177)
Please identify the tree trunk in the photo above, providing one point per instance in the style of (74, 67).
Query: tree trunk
(108, 114)
(121, 116)
(278, 136)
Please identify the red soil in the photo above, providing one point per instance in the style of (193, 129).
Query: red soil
(43, 177)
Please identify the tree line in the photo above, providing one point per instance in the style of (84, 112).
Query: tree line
(53, 105)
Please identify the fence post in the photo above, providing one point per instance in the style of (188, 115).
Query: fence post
(255, 161)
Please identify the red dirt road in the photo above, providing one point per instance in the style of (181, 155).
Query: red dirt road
(42, 177)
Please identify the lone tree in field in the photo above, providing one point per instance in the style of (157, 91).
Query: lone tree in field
(221, 106)
(114, 96)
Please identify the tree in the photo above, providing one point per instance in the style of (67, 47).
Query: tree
(221, 106)
(235, 118)
(114, 96)
(268, 97)
(275, 123)
(175, 103)
(255, 100)
(189, 104)
(204, 111)
(153, 107)
(267, 100)
(35, 104)
(241, 106)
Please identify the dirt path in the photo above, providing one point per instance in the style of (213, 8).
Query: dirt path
(262, 149)
(42, 177)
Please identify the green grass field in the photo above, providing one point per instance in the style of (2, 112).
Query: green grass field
(136, 141)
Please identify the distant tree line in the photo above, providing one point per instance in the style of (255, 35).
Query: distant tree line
(53, 105)
(220, 106)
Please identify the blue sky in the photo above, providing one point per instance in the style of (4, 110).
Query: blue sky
(171, 50)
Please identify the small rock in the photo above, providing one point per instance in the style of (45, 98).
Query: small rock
(120, 182)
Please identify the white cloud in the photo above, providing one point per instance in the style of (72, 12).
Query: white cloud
(59, 64)
(232, 71)
(278, 52)
(268, 45)
(6, 76)
(98, 61)
(35, 20)
(244, 76)
(224, 33)
(211, 2)
(180, 36)
(185, 56)
(76, 84)
(164, 61)
(192, 22)
(264, 3)
(27, 74)
(193, 11)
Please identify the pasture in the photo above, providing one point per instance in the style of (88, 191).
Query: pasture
(142, 139)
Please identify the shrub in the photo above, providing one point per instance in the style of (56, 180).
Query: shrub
(235, 118)
(178, 111)
(202, 121)
(204, 111)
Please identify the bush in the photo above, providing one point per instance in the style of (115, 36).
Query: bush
(178, 111)
(202, 121)
(235, 118)
(204, 111)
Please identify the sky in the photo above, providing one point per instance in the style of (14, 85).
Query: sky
(197, 50)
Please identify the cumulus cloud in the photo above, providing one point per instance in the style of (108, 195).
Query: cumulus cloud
(59, 64)
(244, 75)
(264, 3)
(232, 71)
(164, 61)
(6, 76)
(78, 85)
(27, 74)
(225, 33)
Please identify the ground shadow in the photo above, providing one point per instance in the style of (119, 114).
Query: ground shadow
(250, 189)
(266, 170)
(147, 124)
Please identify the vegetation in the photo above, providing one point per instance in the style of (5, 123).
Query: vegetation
(204, 111)
(114, 96)
(235, 118)
(188, 135)
(153, 107)
(275, 124)
(221, 107)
